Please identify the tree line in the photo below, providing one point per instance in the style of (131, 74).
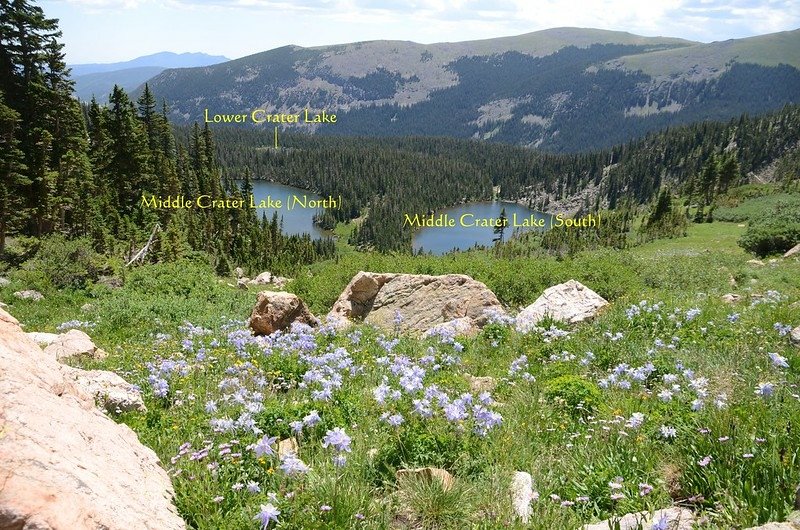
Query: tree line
(81, 171)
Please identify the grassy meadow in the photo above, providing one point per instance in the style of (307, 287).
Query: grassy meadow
(670, 396)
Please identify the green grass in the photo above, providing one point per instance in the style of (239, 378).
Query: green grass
(562, 422)
(755, 208)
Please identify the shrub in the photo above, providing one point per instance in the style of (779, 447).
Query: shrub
(65, 262)
(577, 394)
(776, 231)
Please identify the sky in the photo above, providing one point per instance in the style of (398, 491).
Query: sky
(119, 30)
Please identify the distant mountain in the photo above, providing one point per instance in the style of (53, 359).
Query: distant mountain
(98, 79)
(563, 89)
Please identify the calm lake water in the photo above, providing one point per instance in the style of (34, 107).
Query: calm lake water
(296, 220)
(466, 234)
(437, 240)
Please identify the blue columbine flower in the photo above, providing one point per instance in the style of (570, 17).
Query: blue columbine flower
(268, 514)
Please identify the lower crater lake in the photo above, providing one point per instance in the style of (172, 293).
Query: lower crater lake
(442, 239)
(296, 220)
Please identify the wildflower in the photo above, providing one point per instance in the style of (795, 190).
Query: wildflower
(668, 432)
(765, 390)
(778, 361)
(237, 487)
(635, 421)
(253, 487)
(616, 484)
(268, 514)
(661, 524)
(703, 462)
(644, 489)
(218, 499)
(262, 447)
(325, 507)
(617, 496)
(747, 455)
(394, 420)
(311, 419)
(291, 465)
(338, 439)
(339, 460)
(360, 516)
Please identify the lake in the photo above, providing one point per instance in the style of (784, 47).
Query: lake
(467, 233)
(296, 220)
(437, 240)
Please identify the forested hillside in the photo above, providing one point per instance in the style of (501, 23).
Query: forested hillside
(385, 178)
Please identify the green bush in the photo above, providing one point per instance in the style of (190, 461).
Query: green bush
(576, 393)
(62, 262)
(775, 231)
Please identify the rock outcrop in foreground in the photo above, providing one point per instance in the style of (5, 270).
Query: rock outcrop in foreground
(422, 301)
(569, 302)
(64, 465)
(277, 310)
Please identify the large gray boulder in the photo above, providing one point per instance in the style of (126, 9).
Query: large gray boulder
(74, 343)
(422, 301)
(277, 310)
(29, 294)
(110, 391)
(64, 464)
(570, 302)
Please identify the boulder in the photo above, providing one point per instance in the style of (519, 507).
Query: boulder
(677, 519)
(776, 526)
(42, 339)
(521, 495)
(794, 251)
(277, 310)
(74, 343)
(755, 262)
(265, 278)
(287, 446)
(66, 465)
(428, 474)
(110, 391)
(241, 283)
(480, 384)
(4, 281)
(458, 326)
(731, 298)
(569, 302)
(29, 294)
(112, 282)
(239, 272)
(87, 307)
(422, 301)
(280, 282)
(794, 338)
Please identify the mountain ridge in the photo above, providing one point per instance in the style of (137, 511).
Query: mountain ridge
(563, 89)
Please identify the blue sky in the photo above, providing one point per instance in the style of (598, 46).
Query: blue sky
(116, 30)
